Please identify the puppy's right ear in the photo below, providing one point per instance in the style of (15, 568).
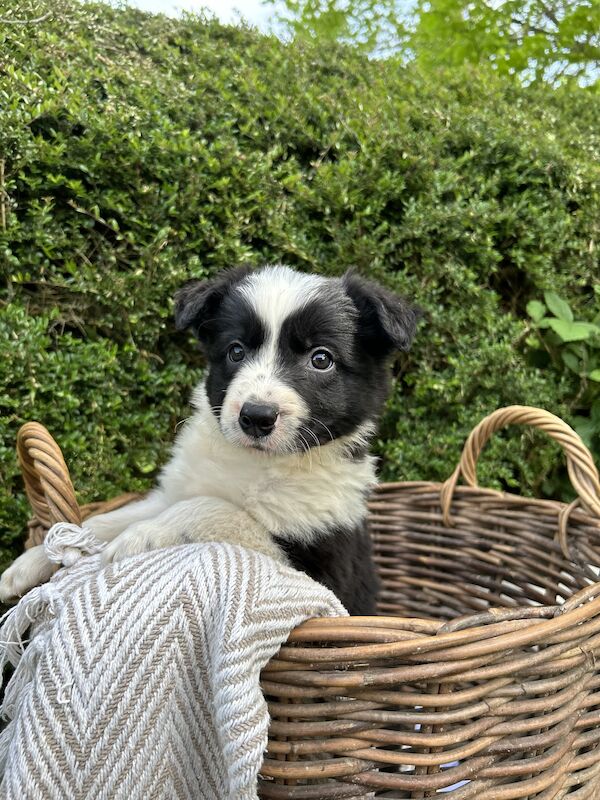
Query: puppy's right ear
(197, 302)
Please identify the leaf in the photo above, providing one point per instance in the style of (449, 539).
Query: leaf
(572, 362)
(585, 428)
(594, 375)
(559, 307)
(572, 331)
(536, 310)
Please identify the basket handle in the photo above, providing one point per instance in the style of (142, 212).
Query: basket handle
(47, 480)
(580, 464)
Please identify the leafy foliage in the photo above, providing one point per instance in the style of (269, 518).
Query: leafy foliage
(543, 39)
(571, 348)
(370, 26)
(536, 39)
(139, 151)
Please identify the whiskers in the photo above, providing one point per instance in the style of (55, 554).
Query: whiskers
(199, 419)
(309, 449)
(322, 424)
(182, 422)
(302, 442)
(305, 446)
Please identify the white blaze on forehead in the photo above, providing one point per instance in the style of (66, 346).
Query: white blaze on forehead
(277, 292)
(274, 293)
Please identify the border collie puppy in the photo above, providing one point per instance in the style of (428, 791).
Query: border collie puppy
(275, 454)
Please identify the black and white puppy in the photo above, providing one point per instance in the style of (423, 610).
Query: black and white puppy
(275, 456)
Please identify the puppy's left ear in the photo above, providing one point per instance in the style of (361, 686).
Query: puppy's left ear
(387, 321)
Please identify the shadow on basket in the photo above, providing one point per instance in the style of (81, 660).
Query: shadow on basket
(479, 679)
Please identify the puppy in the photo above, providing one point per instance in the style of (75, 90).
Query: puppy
(275, 456)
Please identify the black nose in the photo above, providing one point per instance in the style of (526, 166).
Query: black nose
(258, 419)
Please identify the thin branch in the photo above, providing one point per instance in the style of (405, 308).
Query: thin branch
(35, 21)
(529, 28)
(550, 13)
(95, 217)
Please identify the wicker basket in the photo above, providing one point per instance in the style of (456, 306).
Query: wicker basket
(479, 679)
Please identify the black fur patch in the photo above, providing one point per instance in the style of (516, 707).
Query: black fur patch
(197, 303)
(361, 324)
(354, 390)
(219, 317)
(236, 322)
(340, 559)
(387, 321)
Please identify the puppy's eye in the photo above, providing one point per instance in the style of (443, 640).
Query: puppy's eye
(236, 352)
(321, 360)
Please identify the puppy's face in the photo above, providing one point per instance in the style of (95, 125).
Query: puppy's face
(295, 360)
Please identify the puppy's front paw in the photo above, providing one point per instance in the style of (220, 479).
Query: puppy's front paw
(136, 539)
(29, 570)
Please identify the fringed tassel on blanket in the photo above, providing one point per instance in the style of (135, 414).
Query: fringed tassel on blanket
(64, 544)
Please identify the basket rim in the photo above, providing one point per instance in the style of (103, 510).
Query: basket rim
(547, 621)
(577, 513)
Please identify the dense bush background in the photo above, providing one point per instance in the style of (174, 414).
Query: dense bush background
(139, 151)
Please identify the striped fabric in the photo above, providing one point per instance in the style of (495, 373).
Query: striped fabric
(142, 680)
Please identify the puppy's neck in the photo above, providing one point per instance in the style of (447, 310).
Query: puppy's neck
(296, 496)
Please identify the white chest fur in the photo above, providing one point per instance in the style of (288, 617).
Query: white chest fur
(292, 495)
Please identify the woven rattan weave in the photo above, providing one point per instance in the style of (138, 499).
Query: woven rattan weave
(481, 677)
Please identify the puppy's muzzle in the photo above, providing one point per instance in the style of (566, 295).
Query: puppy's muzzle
(258, 419)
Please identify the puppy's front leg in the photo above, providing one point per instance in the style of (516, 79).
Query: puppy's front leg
(107, 526)
(33, 567)
(201, 519)
(28, 570)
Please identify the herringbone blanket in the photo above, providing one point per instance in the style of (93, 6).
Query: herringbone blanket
(141, 680)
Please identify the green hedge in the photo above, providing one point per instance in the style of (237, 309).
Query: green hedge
(140, 151)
